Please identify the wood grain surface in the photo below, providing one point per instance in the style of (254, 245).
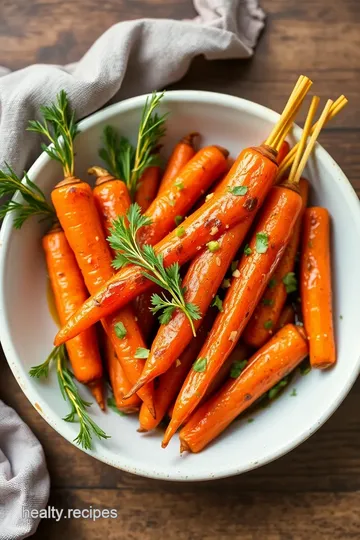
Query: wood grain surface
(314, 492)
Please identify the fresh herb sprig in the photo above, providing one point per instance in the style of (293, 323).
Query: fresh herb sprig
(122, 159)
(70, 393)
(34, 201)
(60, 128)
(123, 240)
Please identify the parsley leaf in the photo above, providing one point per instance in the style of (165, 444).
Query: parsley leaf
(217, 302)
(120, 330)
(290, 282)
(237, 367)
(262, 242)
(200, 365)
(238, 190)
(247, 250)
(141, 352)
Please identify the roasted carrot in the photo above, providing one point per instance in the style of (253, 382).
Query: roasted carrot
(78, 215)
(181, 155)
(287, 316)
(119, 383)
(169, 384)
(252, 175)
(69, 293)
(148, 187)
(316, 293)
(283, 152)
(201, 282)
(266, 368)
(197, 175)
(264, 320)
(267, 245)
(270, 238)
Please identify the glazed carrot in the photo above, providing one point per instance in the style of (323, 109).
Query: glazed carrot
(169, 384)
(277, 219)
(264, 320)
(270, 238)
(283, 152)
(113, 200)
(316, 294)
(148, 187)
(287, 316)
(201, 282)
(78, 215)
(69, 293)
(266, 368)
(119, 383)
(197, 175)
(181, 155)
(254, 172)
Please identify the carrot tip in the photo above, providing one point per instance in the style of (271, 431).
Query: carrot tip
(184, 447)
(142, 430)
(135, 388)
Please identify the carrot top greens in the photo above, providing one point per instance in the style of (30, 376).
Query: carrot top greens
(123, 240)
(126, 161)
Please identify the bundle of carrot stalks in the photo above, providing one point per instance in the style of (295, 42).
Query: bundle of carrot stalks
(201, 343)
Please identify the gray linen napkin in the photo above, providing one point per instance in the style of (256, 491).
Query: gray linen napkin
(131, 58)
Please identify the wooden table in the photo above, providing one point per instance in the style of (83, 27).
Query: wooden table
(312, 493)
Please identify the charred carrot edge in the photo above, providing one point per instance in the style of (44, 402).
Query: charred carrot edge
(76, 210)
(267, 367)
(276, 222)
(169, 384)
(69, 293)
(119, 383)
(179, 197)
(316, 293)
(181, 155)
(265, 317)
(255, 170)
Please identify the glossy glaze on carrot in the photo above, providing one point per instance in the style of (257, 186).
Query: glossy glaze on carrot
(316, 291)
(180, 156)
(267, 367)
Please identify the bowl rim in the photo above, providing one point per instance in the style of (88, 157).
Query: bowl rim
(30, 391)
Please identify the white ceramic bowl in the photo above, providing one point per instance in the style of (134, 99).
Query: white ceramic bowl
(27, 329)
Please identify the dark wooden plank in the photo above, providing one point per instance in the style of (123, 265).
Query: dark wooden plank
(206, 516)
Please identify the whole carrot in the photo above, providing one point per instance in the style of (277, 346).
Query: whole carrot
(76, 210)
(119, 383)
(181, 155)
(266, 368)
(248, 182)
(69, 293)
(267, 245)
(316, 293)
(262, 323)
(197, 175)
(148, 187)
(169, 384)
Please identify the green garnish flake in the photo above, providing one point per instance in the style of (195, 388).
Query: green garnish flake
(213, 246)
(141, 352)
(274, 391)
(178, 220)
(305, 367)
(112, 405)
(200, 365)
(179, 185)
(293, 392)
(120, 330)
(237, 367)
(341, 317)
(238, 190)
(290, 282)
(272, 283)
(247, 250)
(226, 284)
(268, 324)
(267, 302)
(250, 420)
(262, 242)
(217, 302)
(180, 231)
